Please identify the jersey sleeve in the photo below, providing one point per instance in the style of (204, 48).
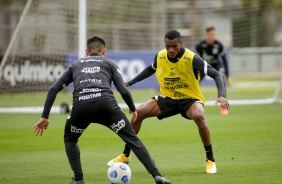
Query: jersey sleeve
(154, 64)
(147, 72)
(202, 66)
(224, 59)
(119, 84)
(63, 81)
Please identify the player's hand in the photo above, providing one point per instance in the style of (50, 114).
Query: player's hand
(223, 102)
(229, 81)
(39, 127)
(134, 116)
(126, 84)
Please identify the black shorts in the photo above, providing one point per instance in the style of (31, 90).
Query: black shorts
(171, 107)
(105, 112)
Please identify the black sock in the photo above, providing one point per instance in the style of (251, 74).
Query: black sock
(126, 150)
(78, 177)
(209, 153)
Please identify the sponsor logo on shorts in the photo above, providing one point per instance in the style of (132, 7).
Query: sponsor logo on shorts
(91, 69)
(118, 126)
(76, 130)
(87, 90)
(99, 81)
(91, 96)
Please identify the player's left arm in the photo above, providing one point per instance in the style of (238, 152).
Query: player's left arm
(202, 66)
(222, 54)
(43, 123)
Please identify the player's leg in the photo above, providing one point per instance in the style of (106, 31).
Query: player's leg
(125, 131)
(196, 113)
(148, 109)
(73, 130)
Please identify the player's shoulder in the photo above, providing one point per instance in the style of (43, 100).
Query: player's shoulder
(161, 54)
(77, 62)
(163, 51)
(217, 42)
(109, 61)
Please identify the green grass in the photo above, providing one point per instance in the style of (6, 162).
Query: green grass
(210, 93)
(247, 147)
(247, 143)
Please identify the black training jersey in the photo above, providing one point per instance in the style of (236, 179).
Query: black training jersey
(92, 77)
(212, 53)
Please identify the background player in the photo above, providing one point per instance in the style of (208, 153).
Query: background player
(93, 101)
(211, 50)
(178, 73)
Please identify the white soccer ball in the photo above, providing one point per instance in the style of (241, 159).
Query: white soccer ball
(119, 173)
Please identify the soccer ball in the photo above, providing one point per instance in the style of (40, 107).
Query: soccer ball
(119, 173)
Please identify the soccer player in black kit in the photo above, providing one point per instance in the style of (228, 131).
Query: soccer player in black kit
(211, 50)
(94, 102)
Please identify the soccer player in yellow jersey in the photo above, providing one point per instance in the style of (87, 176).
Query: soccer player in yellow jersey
(178, 72)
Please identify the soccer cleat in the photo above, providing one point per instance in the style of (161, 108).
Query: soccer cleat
(161, 180)
(210, 167)
(77, 182)
(121, 158)
(223, 111)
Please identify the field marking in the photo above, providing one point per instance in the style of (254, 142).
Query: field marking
(255, 84)
(56, 109)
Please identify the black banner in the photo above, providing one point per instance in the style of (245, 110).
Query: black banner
(31, 73)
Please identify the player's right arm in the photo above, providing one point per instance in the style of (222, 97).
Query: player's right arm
(147, 72)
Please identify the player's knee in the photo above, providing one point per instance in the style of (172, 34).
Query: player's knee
(140, 116)
(199, 119)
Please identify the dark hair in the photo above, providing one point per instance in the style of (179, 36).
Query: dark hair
(172, 35)
(210, 28)
(95, 43)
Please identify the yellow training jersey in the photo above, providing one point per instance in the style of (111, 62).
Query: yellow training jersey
(177, 80)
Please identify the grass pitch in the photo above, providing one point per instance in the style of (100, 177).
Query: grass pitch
(247, 144)
(247, 147)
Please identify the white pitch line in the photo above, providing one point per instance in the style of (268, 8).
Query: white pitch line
(56, 109)
(255, 84)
